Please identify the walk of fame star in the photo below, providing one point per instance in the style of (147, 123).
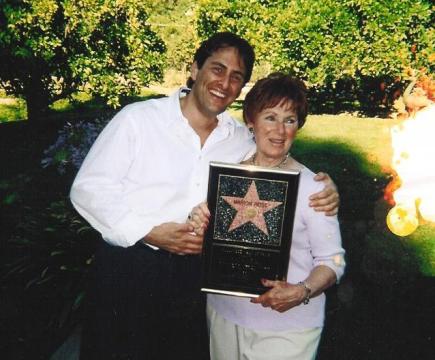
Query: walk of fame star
(250, 209)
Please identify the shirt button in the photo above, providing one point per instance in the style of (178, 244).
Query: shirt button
(197, 184)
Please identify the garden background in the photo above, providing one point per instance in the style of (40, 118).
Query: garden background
(67, 66)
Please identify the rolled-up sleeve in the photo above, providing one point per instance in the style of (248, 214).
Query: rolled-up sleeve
(323, 232)
(326, 247)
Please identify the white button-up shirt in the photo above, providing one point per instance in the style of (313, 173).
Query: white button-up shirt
(147, 167)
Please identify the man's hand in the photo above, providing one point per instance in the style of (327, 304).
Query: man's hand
(175, 238)
(327, 200)
(199, 218)
(281, 297)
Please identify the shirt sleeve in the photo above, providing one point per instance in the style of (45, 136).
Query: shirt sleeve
(97, 191)
(324, 236)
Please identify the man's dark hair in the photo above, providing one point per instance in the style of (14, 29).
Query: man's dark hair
(223, 40)
(273, 90)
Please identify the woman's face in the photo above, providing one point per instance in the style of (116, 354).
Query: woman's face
(275, 129)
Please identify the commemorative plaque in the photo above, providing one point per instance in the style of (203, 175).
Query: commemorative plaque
(249, 234)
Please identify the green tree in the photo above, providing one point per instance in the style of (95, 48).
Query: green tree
(250, 19)
(173, 21)
(395, 35)
(51, 48)
(344, 50)
(253, 20)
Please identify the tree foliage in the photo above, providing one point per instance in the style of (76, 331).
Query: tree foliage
(253, 20)
(354, 47)
(173, 21)
(51, 48)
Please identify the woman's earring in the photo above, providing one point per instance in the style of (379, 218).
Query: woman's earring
(251, 130)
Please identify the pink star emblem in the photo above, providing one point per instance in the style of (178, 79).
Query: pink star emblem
(250, 208)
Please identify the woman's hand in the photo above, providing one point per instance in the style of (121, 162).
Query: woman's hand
(282, 296)
(327, 200)
(199, 218)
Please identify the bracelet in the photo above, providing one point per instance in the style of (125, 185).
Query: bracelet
(307, 292)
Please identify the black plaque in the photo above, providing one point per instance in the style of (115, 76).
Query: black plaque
(249, 234)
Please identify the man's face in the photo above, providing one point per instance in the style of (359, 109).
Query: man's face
(219, 82)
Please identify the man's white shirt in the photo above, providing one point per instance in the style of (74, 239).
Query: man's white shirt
(147, 167)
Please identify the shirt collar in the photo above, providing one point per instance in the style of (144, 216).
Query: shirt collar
(177, 117)
(225, 124)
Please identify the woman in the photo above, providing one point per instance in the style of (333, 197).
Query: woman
(286, 321)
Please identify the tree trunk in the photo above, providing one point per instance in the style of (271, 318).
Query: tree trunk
(37, 99)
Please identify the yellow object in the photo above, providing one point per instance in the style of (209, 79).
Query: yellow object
(402, 220)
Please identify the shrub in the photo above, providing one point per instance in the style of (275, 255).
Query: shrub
(357, 49)
(49, 49)
(47, 249)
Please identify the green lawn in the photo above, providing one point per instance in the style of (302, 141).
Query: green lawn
(370, 135)
(12, 109)
(334, 143)
(357, 152)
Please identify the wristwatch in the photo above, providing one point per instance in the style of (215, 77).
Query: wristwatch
(307, 292)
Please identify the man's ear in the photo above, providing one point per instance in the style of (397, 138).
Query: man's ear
(194, 71)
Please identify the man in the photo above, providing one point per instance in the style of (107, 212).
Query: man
(145, 172)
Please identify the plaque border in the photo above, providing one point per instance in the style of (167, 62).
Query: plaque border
(291, 178)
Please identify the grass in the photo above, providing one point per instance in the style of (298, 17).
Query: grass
(366, 138)
(422, 244)
(12, 109)
(336, 143)
(79, 100)
(370, 136)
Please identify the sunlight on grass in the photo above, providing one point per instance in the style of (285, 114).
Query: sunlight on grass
(423, 243)
(370, 135)
(12, 109)
(61, 105)
(79, 99)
